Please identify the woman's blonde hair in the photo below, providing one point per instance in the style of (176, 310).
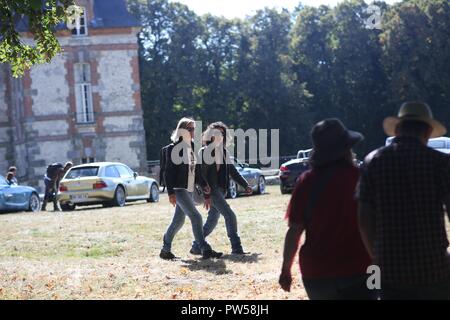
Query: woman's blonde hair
(182, 125)
(211, 131)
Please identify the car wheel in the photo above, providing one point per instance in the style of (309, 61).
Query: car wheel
(261, 185)
(232, 190)
(154, 193)
(119, 197)
(68, 207)
(284, 190)
(34, 204)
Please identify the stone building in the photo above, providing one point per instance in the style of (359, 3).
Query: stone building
(84, 106)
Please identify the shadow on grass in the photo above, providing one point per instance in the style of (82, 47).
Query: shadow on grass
(217, 267)
(246, 258)
(100, 206)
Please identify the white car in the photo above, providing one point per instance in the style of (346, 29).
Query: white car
(441, 144)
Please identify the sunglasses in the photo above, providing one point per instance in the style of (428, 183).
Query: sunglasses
(190, 129)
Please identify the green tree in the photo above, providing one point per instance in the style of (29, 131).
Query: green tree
(416, 51)
(358, 79)
(41, 18)
(169, 67)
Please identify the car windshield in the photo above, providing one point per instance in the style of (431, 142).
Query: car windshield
(303, 154)
(436, 144)
(82, 172)
(237, 163)
(3, 181)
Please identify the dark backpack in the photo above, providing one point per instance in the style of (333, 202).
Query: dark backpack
(53, 170)
(163, 165)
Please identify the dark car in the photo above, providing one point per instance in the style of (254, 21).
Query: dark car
(289, 173)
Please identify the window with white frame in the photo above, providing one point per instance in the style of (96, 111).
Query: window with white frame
(80, 23)
(83, 92)
(86, 160)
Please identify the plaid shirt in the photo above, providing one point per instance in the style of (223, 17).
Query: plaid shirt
(406, 183)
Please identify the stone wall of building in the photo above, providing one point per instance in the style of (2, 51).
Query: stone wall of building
(41, 127)
(5, 128)
(49, 89)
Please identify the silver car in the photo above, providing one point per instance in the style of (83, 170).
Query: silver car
(254, 177)
(106, 183)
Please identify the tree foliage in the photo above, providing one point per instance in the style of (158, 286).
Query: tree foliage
(287, 70)
(273, 70)
(40, 17)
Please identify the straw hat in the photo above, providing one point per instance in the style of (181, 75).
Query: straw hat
(414, 111)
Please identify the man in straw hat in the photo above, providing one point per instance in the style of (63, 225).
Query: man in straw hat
(402, 193)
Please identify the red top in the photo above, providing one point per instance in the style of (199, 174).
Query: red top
(333, 246)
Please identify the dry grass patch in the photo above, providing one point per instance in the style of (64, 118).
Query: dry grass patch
(97, 253)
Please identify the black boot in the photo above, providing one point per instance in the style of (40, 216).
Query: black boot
(210, 253)
(166, 255)
(56, 206)
(238, 250)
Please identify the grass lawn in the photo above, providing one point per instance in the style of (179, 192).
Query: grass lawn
(96, 253)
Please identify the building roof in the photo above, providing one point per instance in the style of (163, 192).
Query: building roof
(112, 14)
(107, 14)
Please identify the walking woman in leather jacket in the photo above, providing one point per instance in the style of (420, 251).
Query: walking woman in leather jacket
(216, 169)
(181, 174)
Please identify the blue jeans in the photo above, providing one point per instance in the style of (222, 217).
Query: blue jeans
(220, 206)
(185, 206)
(346, 288)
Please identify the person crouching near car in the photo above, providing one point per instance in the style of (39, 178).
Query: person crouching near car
(333, 259)
(182, 172)
(13, 170)
(10, 178)
(50, 182)
(217, 168)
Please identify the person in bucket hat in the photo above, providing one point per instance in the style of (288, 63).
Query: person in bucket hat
(402, 192)
(331, 141)
(333, 259)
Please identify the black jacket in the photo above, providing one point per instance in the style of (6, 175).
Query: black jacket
(176, 175)
(220, 179)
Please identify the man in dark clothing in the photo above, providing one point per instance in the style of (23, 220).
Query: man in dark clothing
(50, 181)
(402, 193)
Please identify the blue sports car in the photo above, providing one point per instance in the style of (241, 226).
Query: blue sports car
(18, 198)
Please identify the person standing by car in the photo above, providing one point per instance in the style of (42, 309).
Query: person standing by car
(63, 172)
(13, 170)
(216, 169)
(50, 181)
(10, 178)
(402, 193)
(182, 172)
(61, 175)
(333, 259)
